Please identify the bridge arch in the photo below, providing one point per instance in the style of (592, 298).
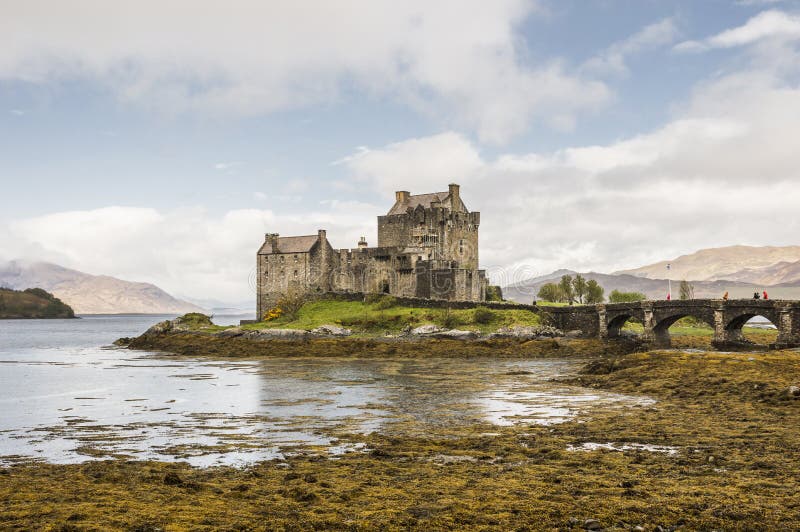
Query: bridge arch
(667, 313)
(616, 324)
(735, 322)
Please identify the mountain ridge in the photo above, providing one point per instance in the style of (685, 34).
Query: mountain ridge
(735, 263)
(92, 294)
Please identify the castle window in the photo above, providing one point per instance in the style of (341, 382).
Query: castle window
(295, 258)
(295, 273)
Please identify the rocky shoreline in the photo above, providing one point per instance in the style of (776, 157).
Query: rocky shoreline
(330, 340)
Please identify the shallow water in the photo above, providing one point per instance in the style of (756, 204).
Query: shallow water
(66, 398)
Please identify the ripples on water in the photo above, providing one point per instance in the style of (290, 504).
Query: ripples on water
(65, 398)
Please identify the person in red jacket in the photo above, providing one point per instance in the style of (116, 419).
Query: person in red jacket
(765, 295)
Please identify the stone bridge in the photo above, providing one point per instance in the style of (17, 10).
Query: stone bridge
(605, 321)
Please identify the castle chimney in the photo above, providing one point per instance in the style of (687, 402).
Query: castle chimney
(272, 239)
(402, 195)
(322, 234)
(362, 244)
(455, 196)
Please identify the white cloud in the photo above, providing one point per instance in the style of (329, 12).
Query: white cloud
(416, 164)
(723, 171)
(768, 25)
(612, 59)
(184, 251)
(459, 61)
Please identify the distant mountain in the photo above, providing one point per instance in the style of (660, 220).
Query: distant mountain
(92, 294)
(733, 262)
(780, 273)
(525, 291)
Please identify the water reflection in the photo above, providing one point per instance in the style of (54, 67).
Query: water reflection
(84, 404)
(63, 399)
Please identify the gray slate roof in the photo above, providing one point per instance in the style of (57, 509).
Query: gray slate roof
(418, 199)
(291, 244)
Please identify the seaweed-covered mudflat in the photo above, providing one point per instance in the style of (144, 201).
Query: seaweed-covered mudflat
(672, 439)
(430, 434)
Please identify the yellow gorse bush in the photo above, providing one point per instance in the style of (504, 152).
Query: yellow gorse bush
(273, 313)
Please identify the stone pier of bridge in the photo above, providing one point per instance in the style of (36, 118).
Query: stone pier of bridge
(727, 318)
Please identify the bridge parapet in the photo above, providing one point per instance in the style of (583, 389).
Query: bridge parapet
(726, 318)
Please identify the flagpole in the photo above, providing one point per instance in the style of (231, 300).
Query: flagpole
(669, 281)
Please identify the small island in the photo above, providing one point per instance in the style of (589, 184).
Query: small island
(32, 303)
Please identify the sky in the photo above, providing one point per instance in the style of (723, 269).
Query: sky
(158, 141)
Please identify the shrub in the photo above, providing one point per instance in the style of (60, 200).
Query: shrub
(195, 320)
(450, 320)
(291, 301)
(626, 297)
(482, 315)
(385, 302)
(371, 299)
(273, 314)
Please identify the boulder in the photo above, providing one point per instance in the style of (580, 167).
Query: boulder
(426, 329)
(159, 328)
(527, 332)
(280, 334)
(331, 330)
(456, 334)
(232, 332)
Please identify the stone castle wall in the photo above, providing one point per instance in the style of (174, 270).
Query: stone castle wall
(428, 252)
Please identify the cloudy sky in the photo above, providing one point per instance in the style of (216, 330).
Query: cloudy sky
(158, 141)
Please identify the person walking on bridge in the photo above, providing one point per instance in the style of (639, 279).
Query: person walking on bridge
(725, 296)
(765, 295)
(756, 296)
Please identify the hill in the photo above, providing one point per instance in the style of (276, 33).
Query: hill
(525, 291)
(32, 303)
(92, 294)
(742, 263)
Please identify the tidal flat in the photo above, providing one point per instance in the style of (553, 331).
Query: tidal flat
(677, 439)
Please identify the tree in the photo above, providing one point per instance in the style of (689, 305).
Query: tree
(687, 290)
(579, 288)
(494, 293)
(567, 293)
(594, 292)
(549, 292)
(625, 297)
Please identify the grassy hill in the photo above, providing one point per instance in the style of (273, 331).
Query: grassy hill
(32, 303)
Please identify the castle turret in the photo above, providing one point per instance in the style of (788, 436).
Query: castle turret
(455, 196)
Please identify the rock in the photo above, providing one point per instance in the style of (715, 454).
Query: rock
(456, 334)
(574, 334)
(282, 334)
(426, 329)
(793, 391)
(125, 341)
(159, 328)
(331, 330)
(232, 332)
(592, 524)
(527, 332)
(637, 528)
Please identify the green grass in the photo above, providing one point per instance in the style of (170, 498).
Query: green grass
(371, 318)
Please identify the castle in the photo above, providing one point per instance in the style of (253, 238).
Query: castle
(427, 248)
